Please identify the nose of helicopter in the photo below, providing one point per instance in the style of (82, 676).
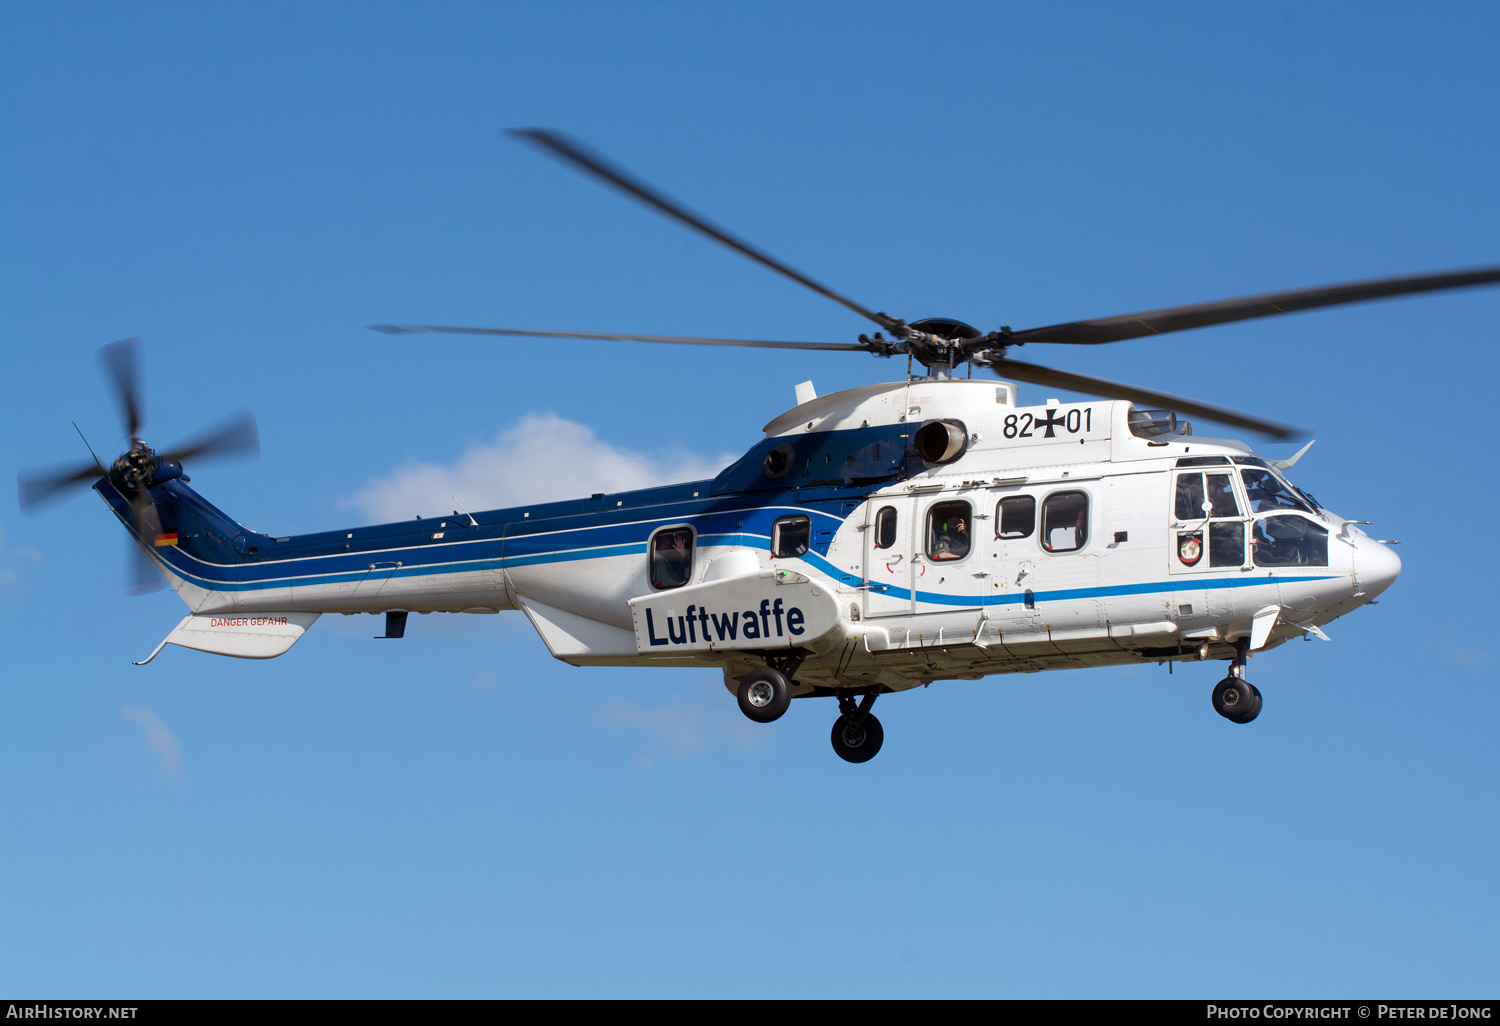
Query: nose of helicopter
(1376, 565)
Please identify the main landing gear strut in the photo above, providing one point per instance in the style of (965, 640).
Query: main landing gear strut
(857, 735)
(1235, 698)
(764, 695)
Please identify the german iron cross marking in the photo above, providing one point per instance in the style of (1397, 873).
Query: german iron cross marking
(1052, 421)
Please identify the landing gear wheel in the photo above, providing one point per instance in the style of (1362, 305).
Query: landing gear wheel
(855, 741)
(764, 695)
(1236, 699)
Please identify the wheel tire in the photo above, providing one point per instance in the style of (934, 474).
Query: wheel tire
(1236, 700)
(854, 743)
(764, 695)
(1253, 709)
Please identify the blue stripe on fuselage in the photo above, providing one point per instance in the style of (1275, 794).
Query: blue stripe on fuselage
(507, 539)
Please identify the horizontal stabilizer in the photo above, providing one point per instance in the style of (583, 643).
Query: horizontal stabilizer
(244, 636)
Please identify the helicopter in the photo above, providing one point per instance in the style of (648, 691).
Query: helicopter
(875, 540)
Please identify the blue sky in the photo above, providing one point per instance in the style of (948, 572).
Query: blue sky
(247, 186)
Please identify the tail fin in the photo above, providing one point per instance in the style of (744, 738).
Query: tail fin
(204, 555)
(194, 544)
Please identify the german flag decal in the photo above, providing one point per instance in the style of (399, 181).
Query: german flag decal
(169, 538)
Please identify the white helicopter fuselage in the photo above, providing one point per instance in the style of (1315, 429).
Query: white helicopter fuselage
(1030, 538)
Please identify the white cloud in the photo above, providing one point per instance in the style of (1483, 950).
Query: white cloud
(160, 740)
(541, 459)
(1468, 658)
(685, 726)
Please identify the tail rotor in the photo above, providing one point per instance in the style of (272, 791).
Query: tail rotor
(139, 469)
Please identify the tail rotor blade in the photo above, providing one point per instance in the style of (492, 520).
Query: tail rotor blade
(144, 523)
(235, 437)
(143, 576)
(1046, 376)
(36, 487)
(122, 360)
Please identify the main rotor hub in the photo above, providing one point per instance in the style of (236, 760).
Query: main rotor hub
(941, 343)
(946, 327)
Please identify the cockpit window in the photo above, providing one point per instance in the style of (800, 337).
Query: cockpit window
(672, 558)
(1221, 500)
(1191, 504)
(1268, 492)
(1190, 497)
(1289, 541)
(1205, 500)
(948, 530)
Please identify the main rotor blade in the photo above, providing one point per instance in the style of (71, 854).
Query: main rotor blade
(121, 360)
(1200, 315)
(574, 153)
(415, 329)
(238, 435)
(35, 487)
(1035, 375)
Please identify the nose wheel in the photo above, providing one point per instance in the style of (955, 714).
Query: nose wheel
(857, 734)
(1236, 699)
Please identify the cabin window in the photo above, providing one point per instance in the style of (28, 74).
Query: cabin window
(672, 557)
(885, 527)
(948, 530)
(1065, 522)
(1289, 541)
(1268, 492)
(790, 536)
(1015, 517)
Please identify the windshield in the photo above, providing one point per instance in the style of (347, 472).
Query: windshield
(1268, 492)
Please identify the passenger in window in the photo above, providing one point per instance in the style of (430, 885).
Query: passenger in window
(671, 559)
(1289, 541)
(1066, 539)
(1221, 500)
(1266, 492)
(951, 540)
(1065, 522)
(1189, 496)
